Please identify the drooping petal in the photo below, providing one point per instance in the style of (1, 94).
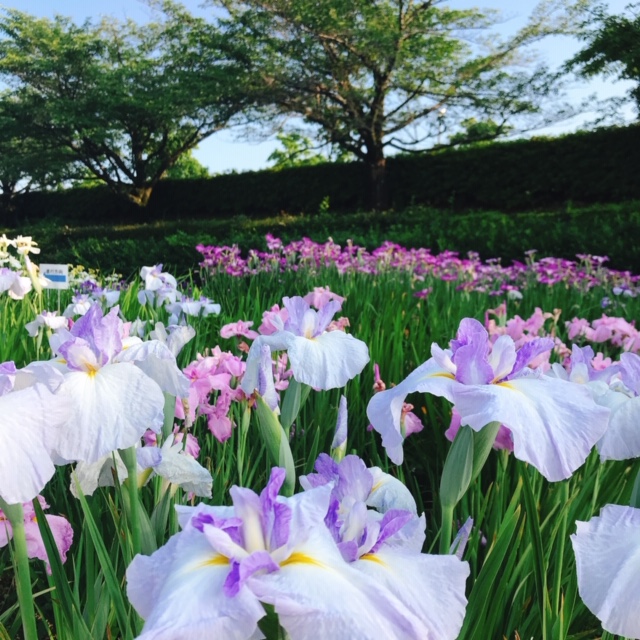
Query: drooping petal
(328, 361)
(316, 594)
(385, 408)
(111, 409)
(621, 440)
(554, 423)
(179, 592)
(87, 477)
(180, 468)
(279, 341)
(607, 550)
(30, 421)
(159, 363)
(432, 587)
(389, 493)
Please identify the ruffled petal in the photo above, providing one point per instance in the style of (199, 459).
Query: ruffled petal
(179, 592)
(328, 361)
(316, 594)
(279, 341)
(30, 421)
(607, 550)
(111, 409)
(385, 408)
(159, 363)
(554, 423)
(432, 587)
(101, 473)
(621, 441)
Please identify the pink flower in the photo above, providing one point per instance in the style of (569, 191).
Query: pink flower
(273, 320)
(577, 327)
(339, 325)
(240, 328)
(319, 297)
(218, 419)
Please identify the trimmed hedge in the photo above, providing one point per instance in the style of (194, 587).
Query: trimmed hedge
(600, 229)
(600, 166)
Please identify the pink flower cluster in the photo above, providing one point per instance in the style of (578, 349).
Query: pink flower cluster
(214, 385)
(215, 378)
(617, 331)
(470, 274)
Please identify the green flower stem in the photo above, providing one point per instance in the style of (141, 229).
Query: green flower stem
(559, 556)
(130, 461)
(21, 566)
(446, 528)
(169, 415)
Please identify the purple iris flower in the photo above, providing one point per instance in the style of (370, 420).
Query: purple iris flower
(554, 423)
(212, 578)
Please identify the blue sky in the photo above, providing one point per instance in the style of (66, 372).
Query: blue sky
(224, 151)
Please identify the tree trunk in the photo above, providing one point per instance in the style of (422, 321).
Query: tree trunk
(378, 188)
(139, 195)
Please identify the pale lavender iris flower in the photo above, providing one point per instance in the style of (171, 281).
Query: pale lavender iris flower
(554, 423)
(385, 543)
(112, 402)
(212, 578)
(320, 358)
(616, 387)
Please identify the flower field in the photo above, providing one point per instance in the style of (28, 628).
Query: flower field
(318, 441)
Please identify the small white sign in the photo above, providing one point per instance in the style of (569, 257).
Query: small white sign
(57, 275)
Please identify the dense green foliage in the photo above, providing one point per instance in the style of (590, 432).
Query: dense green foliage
(123, 100)
(523, 580)
(524, 175)
(124, 247)
(613, 47)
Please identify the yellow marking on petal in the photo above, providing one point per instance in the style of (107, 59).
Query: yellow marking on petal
(214, 561)
(91, 370)
(372, 557)
(508, 385)
(298, 557)
(443, 375)
(376, 486)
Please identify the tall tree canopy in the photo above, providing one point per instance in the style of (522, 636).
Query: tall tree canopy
(26, 161)
(613, 47)
(125, 100)
(374, 74)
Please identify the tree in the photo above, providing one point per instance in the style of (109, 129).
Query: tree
(25, 162)
(187, 168)
(613, 47)
(299, 151)
(125, 100)
(373, 74)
